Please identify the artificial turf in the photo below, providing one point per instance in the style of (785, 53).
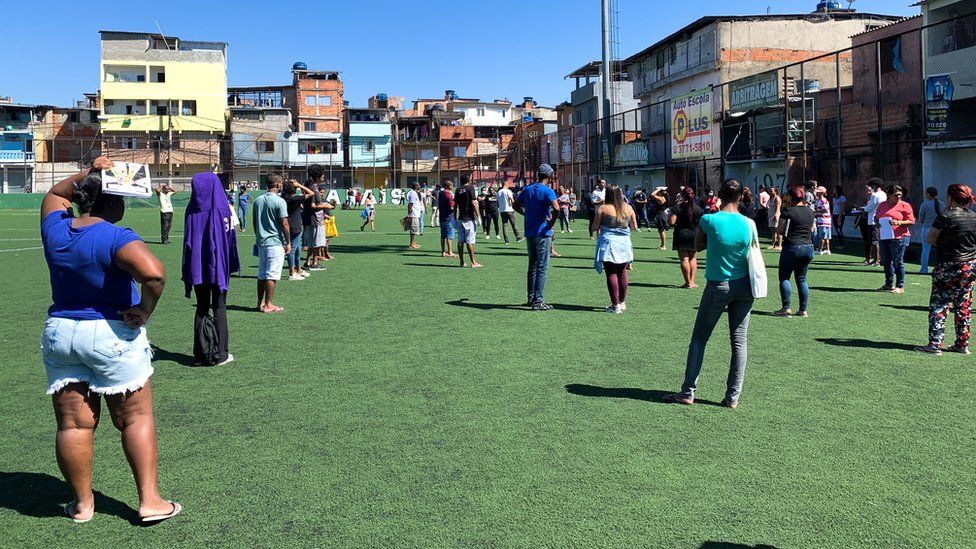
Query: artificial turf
(401, 401)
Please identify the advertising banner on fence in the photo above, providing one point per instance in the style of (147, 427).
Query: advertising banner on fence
(691, 125)
(938, 96)
(754, 92)
(631, 154)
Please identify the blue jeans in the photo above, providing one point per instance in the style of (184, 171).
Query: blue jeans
(242, 215)
(893, 260)
(296, 251)
(538, 265)
(736, 296)
(926, 251)
(794, 261)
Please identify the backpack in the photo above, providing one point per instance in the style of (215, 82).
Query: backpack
(206, 346)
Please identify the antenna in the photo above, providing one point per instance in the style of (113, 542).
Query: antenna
(769, 10)
(850, 3)
(161, 34)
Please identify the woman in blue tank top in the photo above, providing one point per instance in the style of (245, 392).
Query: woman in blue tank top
(94, 342)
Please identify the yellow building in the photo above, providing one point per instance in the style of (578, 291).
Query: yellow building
(152, 85)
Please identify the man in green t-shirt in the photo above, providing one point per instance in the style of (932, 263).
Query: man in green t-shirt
(270, 220)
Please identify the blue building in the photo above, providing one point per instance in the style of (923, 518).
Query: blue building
(368, 140)
(17, 146)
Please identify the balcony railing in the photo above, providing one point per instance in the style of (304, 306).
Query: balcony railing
(20, 157)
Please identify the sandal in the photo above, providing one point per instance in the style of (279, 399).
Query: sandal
(156, 518)
(67, 511)
(678, 398)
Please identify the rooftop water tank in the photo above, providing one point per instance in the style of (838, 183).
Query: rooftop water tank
(299, 66)
(528, 100)
(828, 6)
(381, 97)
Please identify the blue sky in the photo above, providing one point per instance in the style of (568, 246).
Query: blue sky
(481, 48)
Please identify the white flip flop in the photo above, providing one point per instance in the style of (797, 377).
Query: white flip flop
(77, 521)
(156, 518)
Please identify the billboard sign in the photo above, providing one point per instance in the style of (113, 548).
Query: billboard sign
(691, 125)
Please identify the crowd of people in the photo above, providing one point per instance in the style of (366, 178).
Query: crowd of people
(106, 283)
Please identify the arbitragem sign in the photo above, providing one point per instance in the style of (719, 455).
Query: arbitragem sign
(754, 92)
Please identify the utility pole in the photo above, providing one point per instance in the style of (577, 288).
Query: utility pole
(169, 155)
(607, 77)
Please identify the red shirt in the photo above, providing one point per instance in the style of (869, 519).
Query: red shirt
(902, 211)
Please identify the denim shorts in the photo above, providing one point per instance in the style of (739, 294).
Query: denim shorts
(270, 261)
(447, 229)
(824, 233)
(109, 356)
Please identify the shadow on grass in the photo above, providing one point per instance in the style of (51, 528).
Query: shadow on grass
(442, 265)
(865, 343)
(730, 545)
(510, 307)
(242, 308)
(653, 285)
(42, 496)
(844, 290)
(170, 356)
(632, 393)
(919, 308)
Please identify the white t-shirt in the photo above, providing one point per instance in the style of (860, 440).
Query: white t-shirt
(839, 204)
(872, 206)
(505, 201)
(415, 204)
(166, 202)
(599, 196)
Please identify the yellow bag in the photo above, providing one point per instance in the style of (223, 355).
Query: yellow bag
(331, 231)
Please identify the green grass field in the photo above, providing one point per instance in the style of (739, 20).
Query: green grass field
(401, 401)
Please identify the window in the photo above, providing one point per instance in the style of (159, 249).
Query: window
(161, 43)
(159, 108)
(459, 151)
(426, 154)
(325, 100)
(128, 143)
(125, 73)
(318, 146)
(264, 146)
(189, 107)
(481, 111)
(504, 113)
(308, 126)
(891, 59)
(157, 74)
(369, 145)
(409, 154)
(309, 100)
(73, 117)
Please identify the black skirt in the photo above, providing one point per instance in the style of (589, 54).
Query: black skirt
(684, 240)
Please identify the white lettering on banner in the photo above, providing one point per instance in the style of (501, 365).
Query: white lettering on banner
(691, 125)
(333, 196)
(396, 196)
(382, 196)
(631, 154)
(756, 91)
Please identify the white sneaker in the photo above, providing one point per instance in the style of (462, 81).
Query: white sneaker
(561, 232)
(296, 277)
(228, 360)
(828, 252)
(614, 310)
(305, 274)
(571, 230)
(623, 306)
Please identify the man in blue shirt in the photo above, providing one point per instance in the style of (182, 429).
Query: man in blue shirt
(538, 204)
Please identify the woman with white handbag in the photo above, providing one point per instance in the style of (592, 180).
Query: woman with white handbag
(736, 276)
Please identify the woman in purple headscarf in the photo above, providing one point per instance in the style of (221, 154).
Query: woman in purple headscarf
(209, 257)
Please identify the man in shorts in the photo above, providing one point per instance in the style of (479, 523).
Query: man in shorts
(415, 213)
(445, 216)
(270, 227)
(465, 214)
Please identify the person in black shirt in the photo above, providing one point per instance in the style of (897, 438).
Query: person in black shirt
(295, 203)
(490, 205)
(684, 218)
(465, 214)
(796, 225)
(954, 235)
